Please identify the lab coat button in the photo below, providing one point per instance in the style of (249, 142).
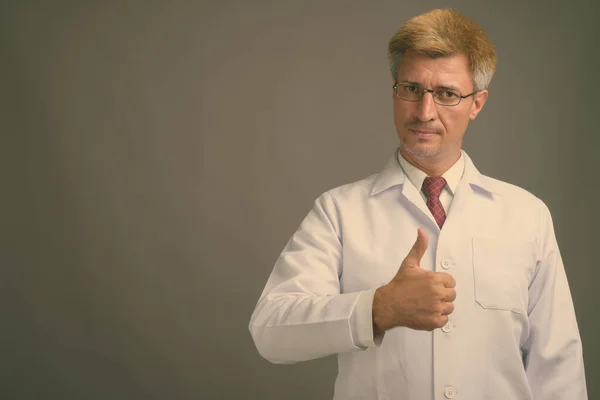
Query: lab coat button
(446, 263)
(450, 392)
(447, 328)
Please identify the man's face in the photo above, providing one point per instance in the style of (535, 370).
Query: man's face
(429, 131)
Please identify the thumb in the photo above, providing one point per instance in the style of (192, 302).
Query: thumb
(413, 259)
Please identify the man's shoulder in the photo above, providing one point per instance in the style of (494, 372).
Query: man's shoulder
(510, 192)
(355, 189)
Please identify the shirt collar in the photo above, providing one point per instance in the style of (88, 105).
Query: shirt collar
(393, 175)
(416, 176)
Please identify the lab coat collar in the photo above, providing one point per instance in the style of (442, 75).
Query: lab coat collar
(392, 175)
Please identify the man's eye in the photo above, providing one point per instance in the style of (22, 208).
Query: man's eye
(412, 88)
(448, 95)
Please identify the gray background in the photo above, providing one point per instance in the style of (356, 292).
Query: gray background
(157, 156)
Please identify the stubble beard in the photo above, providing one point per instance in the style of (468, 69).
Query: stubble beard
(420, 152)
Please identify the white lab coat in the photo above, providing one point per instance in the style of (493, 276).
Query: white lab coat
(512, 335)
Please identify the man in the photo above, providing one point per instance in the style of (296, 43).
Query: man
(429, 280)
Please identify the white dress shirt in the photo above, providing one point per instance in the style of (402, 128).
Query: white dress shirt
(513, 333)
(452, 176)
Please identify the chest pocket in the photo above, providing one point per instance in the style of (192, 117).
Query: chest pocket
(502, 269)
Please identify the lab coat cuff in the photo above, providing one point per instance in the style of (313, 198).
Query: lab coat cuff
(362, 322)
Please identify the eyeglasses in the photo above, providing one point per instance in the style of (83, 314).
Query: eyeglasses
(443, 96)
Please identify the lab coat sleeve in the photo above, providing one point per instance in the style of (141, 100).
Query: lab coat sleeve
(553, 351)
(302, 314)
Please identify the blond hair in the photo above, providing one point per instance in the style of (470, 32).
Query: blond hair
(443, 33)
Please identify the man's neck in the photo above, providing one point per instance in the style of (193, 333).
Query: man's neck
(432, 166)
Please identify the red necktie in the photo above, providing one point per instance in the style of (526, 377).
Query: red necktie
(432, 187)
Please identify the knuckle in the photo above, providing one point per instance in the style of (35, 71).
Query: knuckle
(446, 277)
(449, 296)
(439, 294)
(441, 321)
(435, 320)
(432, 323)
(437, 277)
(443, 275)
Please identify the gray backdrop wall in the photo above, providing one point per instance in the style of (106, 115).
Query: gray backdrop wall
(157, 156)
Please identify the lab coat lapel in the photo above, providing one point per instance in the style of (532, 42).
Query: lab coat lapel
(393, 175)
(474, 197)
(413, 195)
(473, 209)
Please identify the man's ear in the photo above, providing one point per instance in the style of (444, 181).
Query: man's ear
(480, 99)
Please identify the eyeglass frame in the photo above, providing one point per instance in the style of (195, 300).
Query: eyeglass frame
(432, 91)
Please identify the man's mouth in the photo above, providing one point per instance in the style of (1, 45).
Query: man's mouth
(424, 133)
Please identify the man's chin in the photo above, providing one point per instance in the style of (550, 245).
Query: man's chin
(420, 151)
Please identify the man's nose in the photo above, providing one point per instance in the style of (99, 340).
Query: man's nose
(426, 109)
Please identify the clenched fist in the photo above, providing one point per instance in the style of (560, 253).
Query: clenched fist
(414, 298)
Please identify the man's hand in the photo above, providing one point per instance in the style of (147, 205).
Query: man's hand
(414, 298)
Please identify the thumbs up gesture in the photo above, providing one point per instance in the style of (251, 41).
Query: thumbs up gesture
(414, 298)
